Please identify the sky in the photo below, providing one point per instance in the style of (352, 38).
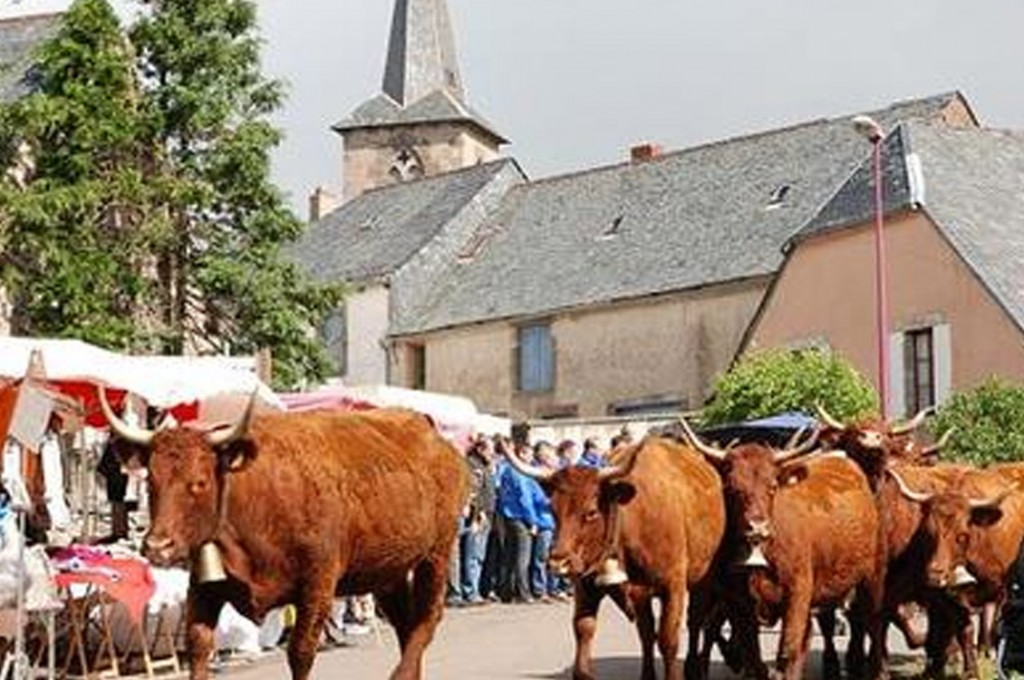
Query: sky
(575, 83)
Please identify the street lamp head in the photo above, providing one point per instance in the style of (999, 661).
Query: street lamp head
(869, 128)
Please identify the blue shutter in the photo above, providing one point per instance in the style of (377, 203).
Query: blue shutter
(536, 359)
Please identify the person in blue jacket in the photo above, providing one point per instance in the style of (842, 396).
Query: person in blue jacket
(519, 499)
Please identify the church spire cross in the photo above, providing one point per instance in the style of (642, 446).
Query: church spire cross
(421, 52)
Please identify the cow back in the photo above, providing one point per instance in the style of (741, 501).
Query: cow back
(826, 528)
(374, 492)
(677, 518)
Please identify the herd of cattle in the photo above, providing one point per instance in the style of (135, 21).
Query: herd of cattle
(304, 507)
(858, 515)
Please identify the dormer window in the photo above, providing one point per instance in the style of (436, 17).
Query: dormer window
(778, 196)
(613, 229)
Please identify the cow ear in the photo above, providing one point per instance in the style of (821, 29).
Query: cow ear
(235, 456)
(985, 517)
(793, 474)
(621, 492)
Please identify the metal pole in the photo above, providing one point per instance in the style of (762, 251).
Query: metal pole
(881, 298)
(20, 669)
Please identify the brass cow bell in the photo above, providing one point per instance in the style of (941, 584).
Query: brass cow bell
(962, 577)
(611, 574)
(209, 565)
(755, 559)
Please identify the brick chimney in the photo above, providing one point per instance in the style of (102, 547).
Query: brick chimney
(641, 153)
(321, 202)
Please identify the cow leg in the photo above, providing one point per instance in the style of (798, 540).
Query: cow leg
(673, 619)
(312, 610)
(965, 636)
(203, 610)
(830, 657)
(395, 605)
(790, 662)
(429, 582)
(904, 620)
(586, 602)
(645, 628)
(987, 629)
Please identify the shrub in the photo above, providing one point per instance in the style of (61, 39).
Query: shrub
(775, 381)
(988, 423)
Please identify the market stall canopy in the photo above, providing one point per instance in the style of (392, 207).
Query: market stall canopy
(457, 417)
(197, 383)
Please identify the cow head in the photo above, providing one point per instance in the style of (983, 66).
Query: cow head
(950, 518)
(581, 500)
(187, 470)
(873, 443)
(752, 475)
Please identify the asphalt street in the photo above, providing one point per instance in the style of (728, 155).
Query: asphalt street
(508, 642)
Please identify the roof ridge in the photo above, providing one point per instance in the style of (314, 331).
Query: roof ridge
(444, 175)
(25, 18)
(746, 137)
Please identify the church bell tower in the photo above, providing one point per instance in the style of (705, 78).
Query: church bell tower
(419, 124)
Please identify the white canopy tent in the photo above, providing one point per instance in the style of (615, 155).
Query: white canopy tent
(162, 381)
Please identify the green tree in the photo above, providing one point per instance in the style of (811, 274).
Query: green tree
(151, 222)
(74, 221)
(987, 422)
(775, 381)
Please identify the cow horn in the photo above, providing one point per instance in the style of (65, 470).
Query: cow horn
(236, 431)
(623, 468)
(796, 437)
(937, 446)
(990, 503)
(825, 417)
(695, 441)
(792, 452)
(915, 496)
(136, 435)
(534, 471)
(913, 423)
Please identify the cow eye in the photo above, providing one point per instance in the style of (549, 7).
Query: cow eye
(962, 539)
(591, 515)
(197, 487)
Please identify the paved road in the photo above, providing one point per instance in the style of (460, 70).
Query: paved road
(500, 642)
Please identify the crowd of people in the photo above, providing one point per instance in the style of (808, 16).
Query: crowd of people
(507, 529)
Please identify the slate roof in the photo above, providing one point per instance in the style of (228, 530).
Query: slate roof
(969, 181)
(422, 82)
(710, 214)
(374, 234)
(19, 37)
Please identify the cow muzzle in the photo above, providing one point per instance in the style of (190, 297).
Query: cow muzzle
(159, 550)
(759, 532)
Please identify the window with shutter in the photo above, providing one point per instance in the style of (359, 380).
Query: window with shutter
(536, 359)
(918, 370)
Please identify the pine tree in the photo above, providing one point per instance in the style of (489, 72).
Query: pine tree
(149, 221)
(222, 273)
(74, 217)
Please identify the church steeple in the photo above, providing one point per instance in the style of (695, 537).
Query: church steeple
(420, 124)
(421, 52)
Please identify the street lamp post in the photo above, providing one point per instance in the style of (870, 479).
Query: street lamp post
(872, 131)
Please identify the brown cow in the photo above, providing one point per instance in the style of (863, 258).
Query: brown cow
(304, 507)
(810, 524)
(672, 520)
(974, 528)
(876, 445)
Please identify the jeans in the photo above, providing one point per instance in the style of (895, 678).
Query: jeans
(541, 583)
(455, 565)
(473, 548)
(492, 579)
(518, 543)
